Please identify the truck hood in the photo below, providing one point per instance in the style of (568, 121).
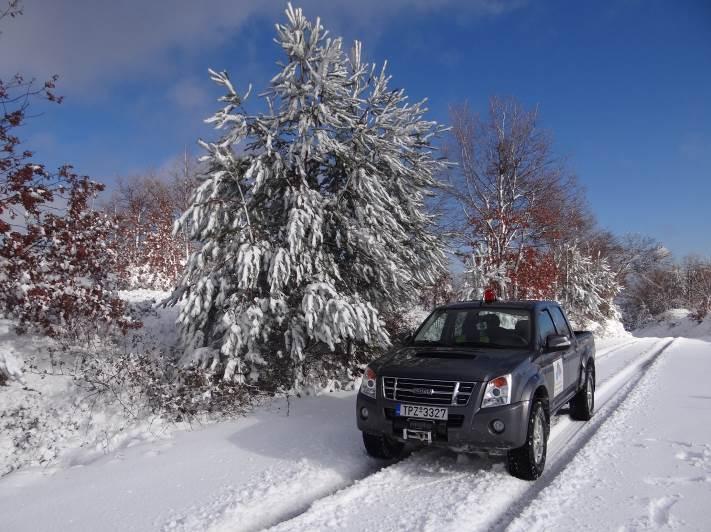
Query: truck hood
(450, 363)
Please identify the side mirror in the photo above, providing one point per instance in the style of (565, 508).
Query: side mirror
(407, 339)
(557, 342)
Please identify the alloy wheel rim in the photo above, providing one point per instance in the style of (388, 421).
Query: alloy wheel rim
(538, 438)
(589, 392)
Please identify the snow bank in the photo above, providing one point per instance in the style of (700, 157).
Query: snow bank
(142, 294)
(611, 329)
(50, 419)
(237, 475)
(12, 360)
(10, 365)
(676, 323)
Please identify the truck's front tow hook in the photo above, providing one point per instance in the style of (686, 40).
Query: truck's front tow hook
(420, 435)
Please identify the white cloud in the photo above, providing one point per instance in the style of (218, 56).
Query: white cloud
(190, 94)
(93, 43)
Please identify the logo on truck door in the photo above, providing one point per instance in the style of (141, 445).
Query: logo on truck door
(558, 376)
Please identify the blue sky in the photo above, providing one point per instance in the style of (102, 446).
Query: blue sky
(624, 85)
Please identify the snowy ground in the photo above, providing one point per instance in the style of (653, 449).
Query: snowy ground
(648, 467)
(676, 323)
(643, 462)
(48, 420)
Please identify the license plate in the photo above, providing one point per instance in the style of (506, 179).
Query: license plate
(422, 412)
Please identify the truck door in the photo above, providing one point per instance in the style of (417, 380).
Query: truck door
(551, 362)
(571, 357)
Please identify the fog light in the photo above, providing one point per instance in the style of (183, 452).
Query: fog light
(498, 426)
(364, 413)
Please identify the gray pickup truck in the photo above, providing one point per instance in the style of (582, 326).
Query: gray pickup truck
(480, 376)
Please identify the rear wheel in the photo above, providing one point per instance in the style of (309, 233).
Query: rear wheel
(582, 405)
(382, 447)
(527, 462)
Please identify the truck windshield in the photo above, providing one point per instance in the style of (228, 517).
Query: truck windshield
(477, 327)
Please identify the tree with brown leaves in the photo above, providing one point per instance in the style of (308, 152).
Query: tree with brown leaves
(56, 267)
(145, 208)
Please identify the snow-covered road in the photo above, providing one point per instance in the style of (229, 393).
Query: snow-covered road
(307, 471)
(648, 466)
(437, 490)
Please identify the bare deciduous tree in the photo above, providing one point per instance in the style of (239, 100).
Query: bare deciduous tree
(514, 198)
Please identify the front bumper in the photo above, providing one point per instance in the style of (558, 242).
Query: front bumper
(469, 427)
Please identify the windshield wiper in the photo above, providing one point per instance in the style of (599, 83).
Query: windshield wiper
(427, 342)
(479, 344)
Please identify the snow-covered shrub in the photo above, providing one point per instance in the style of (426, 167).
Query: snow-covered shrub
(310, 217)
(100, 392)
(480, 273)
(10, 365)
(135, 277)
(58, 273)
(666, 285)
(35, 434)
(153, 384)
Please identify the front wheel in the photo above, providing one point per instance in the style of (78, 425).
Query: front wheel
(582, 405)
(382, 447)
(527, 462)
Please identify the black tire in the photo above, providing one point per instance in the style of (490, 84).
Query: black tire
(382, 447)
(527, 462)
(582, 406)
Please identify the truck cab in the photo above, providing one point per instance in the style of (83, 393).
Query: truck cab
(480, 376)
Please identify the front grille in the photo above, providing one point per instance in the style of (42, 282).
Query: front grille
(427, 392)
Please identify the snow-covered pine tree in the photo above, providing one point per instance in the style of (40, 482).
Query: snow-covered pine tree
(311, 217)
(481, 273)
(587, 286)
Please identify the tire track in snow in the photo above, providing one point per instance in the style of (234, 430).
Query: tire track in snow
(574, 435)
(614, 349)
(271, 497)
(617, 359)
(435, 489)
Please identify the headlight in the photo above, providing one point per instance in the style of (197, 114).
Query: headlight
(498, 392)
(367, 385)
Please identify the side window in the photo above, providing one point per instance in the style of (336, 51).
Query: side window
(560, 323)
(545, 326)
